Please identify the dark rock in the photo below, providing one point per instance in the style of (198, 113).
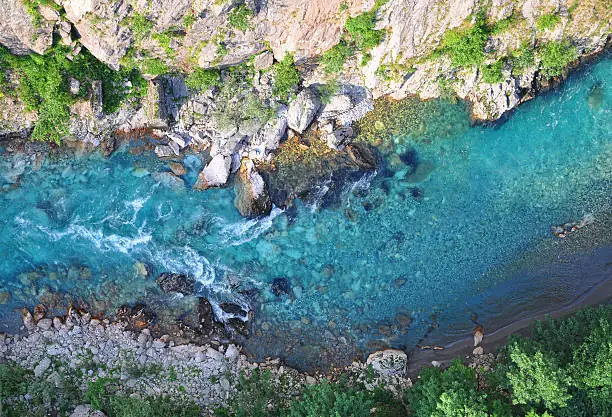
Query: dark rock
(416, 192)
(180, 283)
(206, 317)
(281, 286)
(363, 156)
(410, 158)
(239, 326)
(234, 309)
(40, 311)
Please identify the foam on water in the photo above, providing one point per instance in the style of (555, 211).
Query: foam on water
(486, 197)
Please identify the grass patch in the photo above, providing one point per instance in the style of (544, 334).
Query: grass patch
(239, 17)
(522, 58)
(202, 79)
(189, 20)
(547, 21)
(503, 25)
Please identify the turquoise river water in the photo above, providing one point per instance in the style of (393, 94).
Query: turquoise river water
(438, 259)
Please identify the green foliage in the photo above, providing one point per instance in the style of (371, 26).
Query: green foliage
(465, 46)
(556, 56)
(140, 25)
(189, 20)
(203, 79)
(326, 91)
(522, 58)
(503, 25)
(286, 77)
(222, 49)
(344, 6)
(239, 17)
(32, 8)
(43, 86)
(362, 32)
(547, 21)
(492, 73)
(452, 393)
(565, 367)
(121, 406)
(153, 66)
(332, 400)
(333, 59)
(164, 39)
(256, 396)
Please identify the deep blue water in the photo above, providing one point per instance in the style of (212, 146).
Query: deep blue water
(492, 197)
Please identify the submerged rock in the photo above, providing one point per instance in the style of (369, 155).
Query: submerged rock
(303, 109)
(180, 283)
(252, 197)
(281, 286)
(363, 156)
(388, 362)
(169, 179)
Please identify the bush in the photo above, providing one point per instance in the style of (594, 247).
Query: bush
(556, 56)
(286, 77)
(239, 17)
(547, 21)
(332, 400)
(492, 73)
(203, 79)
(362, 32)
(502, 25)
(466, 46)
(333, 59)
(453, 393)
(522, 58)
(153, 66)
(565, 367)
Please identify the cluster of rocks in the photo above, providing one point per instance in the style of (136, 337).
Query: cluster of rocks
(145, 365)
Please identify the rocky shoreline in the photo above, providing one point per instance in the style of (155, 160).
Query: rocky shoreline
(139, 364)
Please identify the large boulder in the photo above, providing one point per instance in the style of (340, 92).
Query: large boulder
(214, 174)
(388, 362)
(303, 110)
(269, 136)
(20, 33)
(252, 197)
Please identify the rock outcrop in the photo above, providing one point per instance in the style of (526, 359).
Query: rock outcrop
(303, 110)
(388, 362)
(252, 196)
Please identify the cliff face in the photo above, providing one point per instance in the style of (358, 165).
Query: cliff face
(186, 34)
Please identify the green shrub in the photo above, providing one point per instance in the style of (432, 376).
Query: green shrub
(255, 396)
(504, 24)
(239, 17)
(547, 21)
(332, 400)
(286, 77)
(140, 25)
(164, 39)
(121, 406)
(453, 393)
(189, 20)
(565, 366)
(522, 58)
(556, 56)
(153, 66)
(333, 59)
(492, 73)
(203, 79)
(466, 46)
(362, 32)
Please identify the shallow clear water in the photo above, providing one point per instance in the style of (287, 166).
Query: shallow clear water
(491, 198)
